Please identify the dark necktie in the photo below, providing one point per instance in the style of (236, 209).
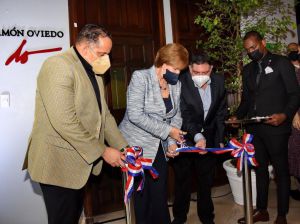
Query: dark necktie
(259, 73)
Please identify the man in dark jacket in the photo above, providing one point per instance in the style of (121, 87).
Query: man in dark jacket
(270, 90)
(203, 108)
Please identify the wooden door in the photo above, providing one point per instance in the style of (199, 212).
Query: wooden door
(137, 29)
(183, 14)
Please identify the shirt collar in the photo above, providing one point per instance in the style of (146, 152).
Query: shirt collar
(85, 64)
(266, 59)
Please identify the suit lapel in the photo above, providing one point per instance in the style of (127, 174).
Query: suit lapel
(213, 93)
(83, 77)
(252, 76)
(194, 91)
(174, 95)
(156, 90)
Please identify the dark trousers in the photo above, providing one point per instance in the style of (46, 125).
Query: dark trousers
(204, 168)
(151, 204)
(274, 149)
(63, 205)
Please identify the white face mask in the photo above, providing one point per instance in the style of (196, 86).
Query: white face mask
(200, 80)
(101, 65)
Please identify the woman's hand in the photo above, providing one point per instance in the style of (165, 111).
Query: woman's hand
(172, 151)
(177, 134)
(201, 144)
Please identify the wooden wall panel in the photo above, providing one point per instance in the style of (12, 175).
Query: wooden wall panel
(183, 15)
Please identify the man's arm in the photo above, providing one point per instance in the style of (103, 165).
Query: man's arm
(288, 75)
(112, 134)
(221, 113)
(287, 72)
(56, 87)
(245, 99)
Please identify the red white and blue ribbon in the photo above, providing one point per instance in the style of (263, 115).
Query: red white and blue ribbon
(135, 166)
(237, 149)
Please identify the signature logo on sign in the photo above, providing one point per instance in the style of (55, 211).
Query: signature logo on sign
(18, 56)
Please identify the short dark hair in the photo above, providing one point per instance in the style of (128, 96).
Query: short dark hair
(91, 33)
(199, 58)
(253, 33)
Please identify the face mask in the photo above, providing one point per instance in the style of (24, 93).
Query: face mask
(171, 77)
(101, 65)
(200, 80)
(255, 55)
(293, 55)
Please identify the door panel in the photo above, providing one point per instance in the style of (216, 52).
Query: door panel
(183, 14)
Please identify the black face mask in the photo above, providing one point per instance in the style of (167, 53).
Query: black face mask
(255, 55)
(171, 77)
(293, 56)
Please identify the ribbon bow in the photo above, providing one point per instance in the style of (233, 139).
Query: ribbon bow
(135, 166)
(241, 149)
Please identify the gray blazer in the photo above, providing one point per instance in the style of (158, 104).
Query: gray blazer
(146, 122)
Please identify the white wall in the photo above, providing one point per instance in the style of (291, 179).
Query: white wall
(168, 21)
(20, 199)
(291, 37)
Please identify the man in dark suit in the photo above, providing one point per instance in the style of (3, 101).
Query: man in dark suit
(203, 108)
(269, 89)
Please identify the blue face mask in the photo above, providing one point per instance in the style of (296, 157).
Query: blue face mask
(171, 77)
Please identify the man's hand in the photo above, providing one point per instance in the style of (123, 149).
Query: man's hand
(276, 119)
(113, 157)
(296, 121)
(201, 144)
(176, 134)
(172, 151)
(233, 118)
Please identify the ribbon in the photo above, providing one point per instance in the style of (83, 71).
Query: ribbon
(135, 165)
(237, 149)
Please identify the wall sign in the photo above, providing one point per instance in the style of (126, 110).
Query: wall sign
(22, 57)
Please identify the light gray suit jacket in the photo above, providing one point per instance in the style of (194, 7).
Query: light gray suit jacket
(146, 122)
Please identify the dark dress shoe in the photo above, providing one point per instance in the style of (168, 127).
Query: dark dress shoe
(280, 220)
(295, 194)
(258, 216)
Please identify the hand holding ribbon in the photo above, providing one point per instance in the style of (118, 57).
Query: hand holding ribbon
(135, 165)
